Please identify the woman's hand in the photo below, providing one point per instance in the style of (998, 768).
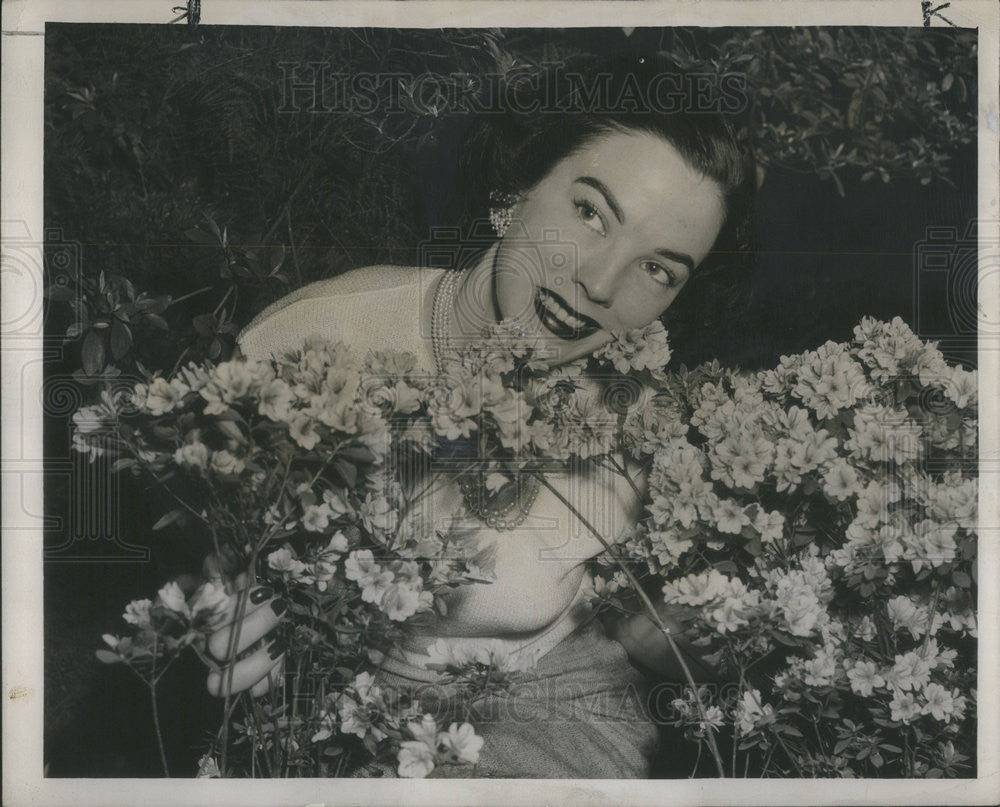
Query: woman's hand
(646, 644)
(259, 656)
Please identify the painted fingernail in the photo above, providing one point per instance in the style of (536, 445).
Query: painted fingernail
(261, 594)
(279, 606)
(276, 649)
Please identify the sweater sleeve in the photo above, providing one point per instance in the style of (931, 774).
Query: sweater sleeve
(359, 308)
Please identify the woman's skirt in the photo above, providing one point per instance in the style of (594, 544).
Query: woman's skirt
(581, 713)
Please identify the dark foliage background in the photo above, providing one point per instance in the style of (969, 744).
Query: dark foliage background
(186, 187)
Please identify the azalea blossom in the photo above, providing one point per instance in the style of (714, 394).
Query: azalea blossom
(638, 349)
(906, 615)
(939, 703)
(163, 396)
(402, 600)
(415, 759)
(284, 561)
(864, 678)
(910, 671)
(227, 382)
(695, 589)
(730, 516)
(841, 480)
(461, 743)
(316, 518)
(224, 463)
(137, 613)
(820, 669)
(173, 598)
(751, 713)
(362, 707)
(962, 387)
(359, 719)
(303, 431)
(904, 707)
(771, 526)
(373, 581)
(276, 400)
(193, 454)
(714, 719)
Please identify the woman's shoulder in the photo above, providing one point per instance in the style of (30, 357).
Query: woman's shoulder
(356, 281)
(326, 306)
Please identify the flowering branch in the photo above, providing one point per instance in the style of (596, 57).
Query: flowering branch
(655, 616)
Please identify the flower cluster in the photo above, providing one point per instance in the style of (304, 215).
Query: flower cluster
(286, 464)
(431, 747)
(306, 469)
(819, 521)
(814, 524)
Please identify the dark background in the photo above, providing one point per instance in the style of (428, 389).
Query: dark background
(156, 136)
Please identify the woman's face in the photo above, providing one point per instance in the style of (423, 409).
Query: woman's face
(605, 242)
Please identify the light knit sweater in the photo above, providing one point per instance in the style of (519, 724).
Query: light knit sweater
(539, 594)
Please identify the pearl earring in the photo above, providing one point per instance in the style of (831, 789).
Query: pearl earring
(502, 214)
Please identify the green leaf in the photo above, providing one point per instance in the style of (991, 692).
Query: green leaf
(358, 454)
(347, 471)
(231, 430)
(784, 639)
(199, 236)
(961, 579)
(121, 338)
(274, 258)
(204, 324)
(107, 657)
(168, 518)
(93, 353)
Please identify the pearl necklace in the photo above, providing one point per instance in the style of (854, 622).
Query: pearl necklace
(444, 304)
(475, 493)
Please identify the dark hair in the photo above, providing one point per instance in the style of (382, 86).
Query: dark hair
(541, 117)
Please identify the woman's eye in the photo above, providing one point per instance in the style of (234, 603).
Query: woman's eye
(589, 216)
(659, 273)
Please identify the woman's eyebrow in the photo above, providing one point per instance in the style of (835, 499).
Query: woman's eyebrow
(609, 197)
(680, 257)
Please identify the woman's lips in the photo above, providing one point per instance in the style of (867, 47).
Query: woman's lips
(560, 319)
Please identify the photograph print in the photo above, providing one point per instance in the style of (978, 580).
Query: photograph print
(588, 402)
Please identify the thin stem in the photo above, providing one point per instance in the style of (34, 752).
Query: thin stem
(788, 754)
(291, 244)
(156, 728)
(191, 294)
(177, 363)
(767, 760)
(622, 468)
(697, 760)
(225, 297)
(654, 614)
(306, 175)
(736, 734)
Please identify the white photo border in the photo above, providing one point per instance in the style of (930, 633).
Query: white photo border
(21, 354)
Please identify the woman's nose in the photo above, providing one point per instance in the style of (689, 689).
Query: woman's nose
(598, 281)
